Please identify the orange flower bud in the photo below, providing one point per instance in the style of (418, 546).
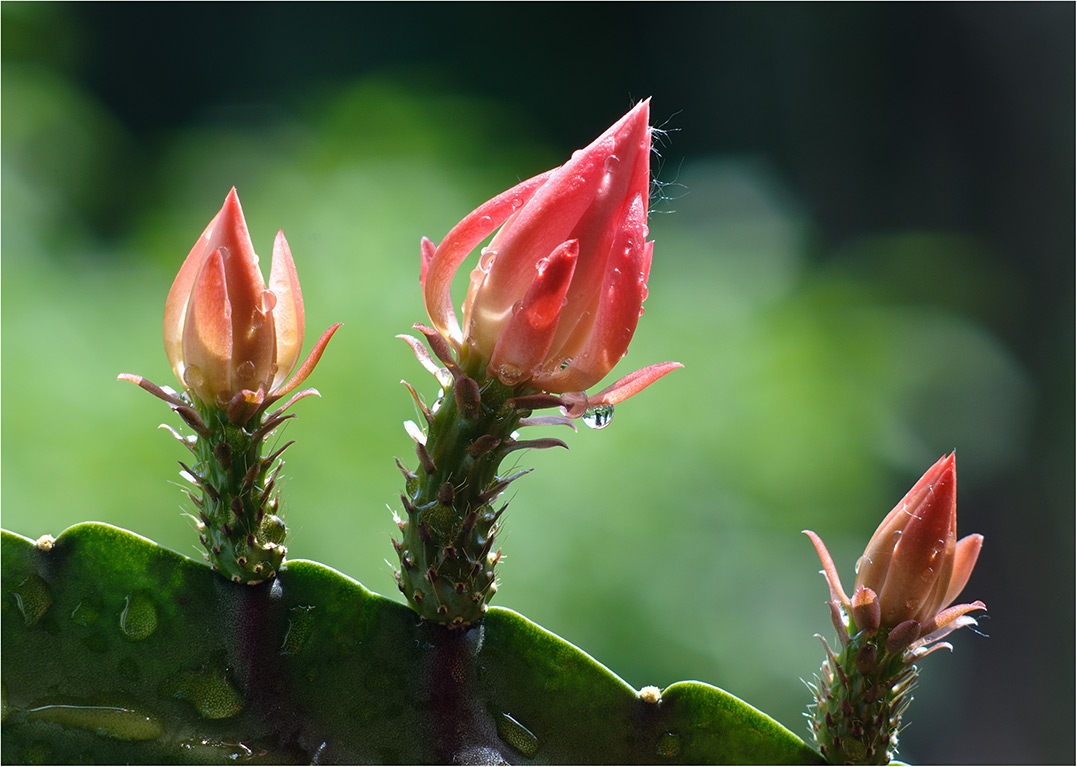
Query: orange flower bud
(914, 562)
(225, 333)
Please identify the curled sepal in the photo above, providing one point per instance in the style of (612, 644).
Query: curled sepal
(575, 404)
(306, 368)
(833, 580)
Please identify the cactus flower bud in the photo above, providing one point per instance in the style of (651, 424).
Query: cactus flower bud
(912, 569)
(558, 292)
(914, 562)
(225, 333)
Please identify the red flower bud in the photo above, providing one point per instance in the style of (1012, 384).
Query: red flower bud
(558, 292)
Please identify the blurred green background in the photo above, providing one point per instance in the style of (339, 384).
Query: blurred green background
(864, 258)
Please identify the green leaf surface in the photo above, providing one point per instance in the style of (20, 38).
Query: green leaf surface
(117, 650)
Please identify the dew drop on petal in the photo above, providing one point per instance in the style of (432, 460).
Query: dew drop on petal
(192, 376)
(245, 371)
(269, 301)
(510, 375)
(611, 163)
(517, 307)
(598, 417)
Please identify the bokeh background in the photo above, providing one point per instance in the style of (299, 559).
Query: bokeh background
(864, 226)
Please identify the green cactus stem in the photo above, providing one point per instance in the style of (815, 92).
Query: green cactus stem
(237, 504)
(860, 694)
(447, 554)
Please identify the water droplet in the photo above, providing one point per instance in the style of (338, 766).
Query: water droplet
(193, 377)
(274, 529)
(510, 375)
(517, 307)
(598, 417)
(108, 721)
(566, 363)
(139, 617)
(32, 598)
(245, 371)
(208, 690)
(668, 746)
(444, 377)
(611, 163)
(269, 301)
(486, 259)
(206, 751)
(517, 736)
(85, 613)
(300, 626)
(438, 402)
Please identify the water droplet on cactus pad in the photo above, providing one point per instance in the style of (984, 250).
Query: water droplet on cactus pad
(85, 613)
(517, 736)
(139, 617)
(208, 690)
(108, 721)
(598, 417)
(668, 746)
(300, 625)
(33, 598)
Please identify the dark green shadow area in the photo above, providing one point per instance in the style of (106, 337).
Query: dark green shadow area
(116, 650)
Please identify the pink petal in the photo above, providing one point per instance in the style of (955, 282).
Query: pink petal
(605, 338)
(288, 312)
(207, 340)
(965, 556)
(458, 243)
(525, 339)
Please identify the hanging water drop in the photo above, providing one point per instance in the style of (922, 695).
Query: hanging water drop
(438, 402)
(598, 417)
(245, 371)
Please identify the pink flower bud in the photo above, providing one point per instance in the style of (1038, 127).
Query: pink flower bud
(914, 562)
(557, 294)
(225, 333)
(913, 567)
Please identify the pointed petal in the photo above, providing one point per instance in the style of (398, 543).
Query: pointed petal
(207, 342)
(458, 243)
(923, 556)
(524, 340)
(606, 328)
(288, 312)
(180, 293)
(965, 556)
